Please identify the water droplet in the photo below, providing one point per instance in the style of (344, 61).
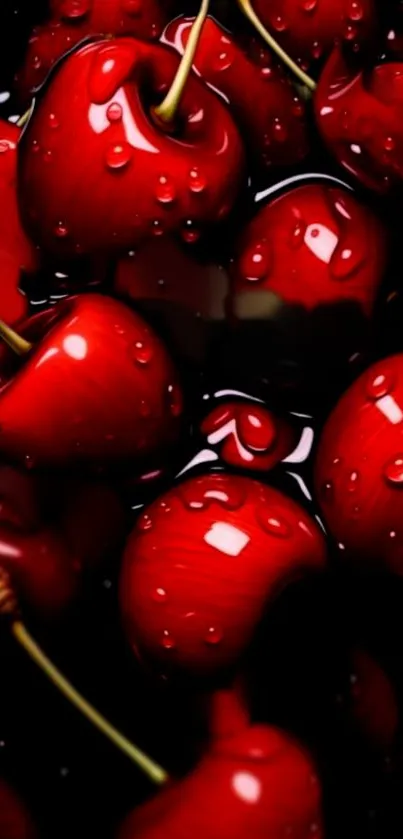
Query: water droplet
(350, 32)
(317, 50)
(271, 523)
(355, 10)
(280, 132)
(36, 62)
(190, 232)
(223, 59)
(256, 429)
(297, 236)
(133, 8)
(308, 5)
(214, 635)
(213, 489)
(197, 182)
(345, 119)
(389, 144)
(298, 107)
(142, 352)
(327, 491)
(380, 385)
(145, 410)
(29, 461)
(353, 481)
(175, 400)
(53, 121)
(114, 112)
(159, 595)
(61, 230)
(165, 191)
(393, 471)
(266, 73)
(47, 156)
(74, 9)
(118, 156)
(279, 24)
(167, 642)
(157, 228)
(35, 146)
(144, 522)
(255, 263)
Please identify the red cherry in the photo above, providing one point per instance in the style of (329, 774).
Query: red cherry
(202, 563)
(359, 468)
(257, 782)
(311, 246)
(74, 20)
(251, 437)
(108, 183)
(261, 98)
(374, 702)
(16, 252)
(97, 388)
(307, 29)
(360, 116)
(15, 821)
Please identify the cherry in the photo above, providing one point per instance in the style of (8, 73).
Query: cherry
(102, 170)
(255, 780)
(201, 565)
(360, 117)
(311, 246)
(74, 20)
(117, 399)
(16, 252)
(15, 821)
(359, 468)
(261, 99)
(251, 437)
(307, 29)
(374, 701)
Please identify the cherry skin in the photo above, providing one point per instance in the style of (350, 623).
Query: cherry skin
(307, 29)
(75, 20)
(251, 437)
(311, 246)
(373, 700)
(50, 530)
(16, 252)
(261, 99)
(98, 173)
(360, 117)
(15, 821)
(203, 562)
(359, 468)
(97, 389)
(256, 782)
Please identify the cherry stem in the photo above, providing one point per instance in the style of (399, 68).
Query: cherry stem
(167, 109)
(23, 119)
(246, 8)
(17, 343)
(155, 772)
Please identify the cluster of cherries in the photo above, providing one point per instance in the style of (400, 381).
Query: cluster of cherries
(143, 133)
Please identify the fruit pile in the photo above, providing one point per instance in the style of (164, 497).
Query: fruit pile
(201, 419)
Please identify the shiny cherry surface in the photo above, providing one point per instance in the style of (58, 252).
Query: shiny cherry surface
(313, 245)
(262, 100)
(359, 468)
(360, 116)
(257, 782)
(72, 21)
(16, 252)
(98, 173)
(307, 29)
(203, 562)
(97, 388)
(15, 821)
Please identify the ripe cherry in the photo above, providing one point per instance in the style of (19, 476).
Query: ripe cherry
(16, 252)
(251, 436)
(202, 564)
(118, 397)
(373, 700)
(359, 468)
(261, 99)
(72, 21)
(15, 821)
(136, 168)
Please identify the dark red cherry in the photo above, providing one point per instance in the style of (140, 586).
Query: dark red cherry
(359, 468)
(99, 173)
(311, 246)
(248, 435)
(261, 98)
(373, 700)
(97, 388)
(360, 116)
(72, 21)
(17, 255)
(203, 562)
(15, 821)
(307, 29)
